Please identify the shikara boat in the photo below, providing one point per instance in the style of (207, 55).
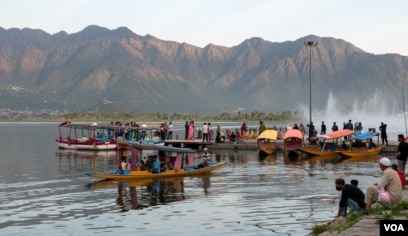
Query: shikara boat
(266, 142)
(365, 150)
(133, 152)
(96, 137)
(329, 144)
(292, 142)
(84, 137)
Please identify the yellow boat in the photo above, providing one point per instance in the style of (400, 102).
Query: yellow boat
(266, 142)
(319, 152)
(132, 152)
(329, 145)
(363, 151)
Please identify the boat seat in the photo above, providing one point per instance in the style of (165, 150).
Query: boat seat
(328, 146)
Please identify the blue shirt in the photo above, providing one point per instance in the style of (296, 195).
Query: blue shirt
(156, 166)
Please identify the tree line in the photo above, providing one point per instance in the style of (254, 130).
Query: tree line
(159, 116)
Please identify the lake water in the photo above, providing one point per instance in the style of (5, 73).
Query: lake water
(43, 191)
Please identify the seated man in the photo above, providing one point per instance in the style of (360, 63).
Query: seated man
(351, 196)
(239, 137)
(155, 165)
(389, 181)
(371, 144)
(205, 159)
(233, 138)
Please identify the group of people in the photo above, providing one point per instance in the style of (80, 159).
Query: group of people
(357, 128)
(392, 183)
(160, 163)
(206, 130)
(166, 131)
(388, 190)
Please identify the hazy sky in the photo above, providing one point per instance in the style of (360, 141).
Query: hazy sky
(374, 26)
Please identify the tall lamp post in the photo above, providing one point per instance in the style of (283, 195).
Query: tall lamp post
(310, 45)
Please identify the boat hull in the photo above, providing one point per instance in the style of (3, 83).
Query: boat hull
(136, 174)
(367, 152)
(318, 152)
(266, 147)
(86, 145)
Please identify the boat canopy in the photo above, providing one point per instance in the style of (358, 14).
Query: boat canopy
(365, 136)
(95, 125)
(156, 147)
(337, 134)
(268, 134)
(293, 133)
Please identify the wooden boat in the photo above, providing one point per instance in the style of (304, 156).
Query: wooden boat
(292, 142)
(84, 137)
(96, 137)
(362, 151)
(133, 153)
(328, 146)
(266, 142)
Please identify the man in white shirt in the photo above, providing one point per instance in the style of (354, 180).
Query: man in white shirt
(144, 127)
(170, 131)
(205, 132)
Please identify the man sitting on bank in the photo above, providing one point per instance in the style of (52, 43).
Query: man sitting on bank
(351, 196)
(390, 181)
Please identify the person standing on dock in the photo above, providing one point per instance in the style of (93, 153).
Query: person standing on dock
(205, 132)
(383, 131)
(210, 132)
(402, 153)
(323, 128)
(170, 131)
(186, 127)
(262, 127)
(191, 131)
(311, 130)
(244, 130)
(335, 127)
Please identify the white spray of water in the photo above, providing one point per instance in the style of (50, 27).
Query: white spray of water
(370, 112)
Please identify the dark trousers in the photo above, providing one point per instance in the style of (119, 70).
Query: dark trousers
(205, 137)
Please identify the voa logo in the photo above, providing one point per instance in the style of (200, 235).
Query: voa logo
(393, 227)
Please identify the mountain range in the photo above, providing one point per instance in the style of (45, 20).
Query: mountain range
(107, 71)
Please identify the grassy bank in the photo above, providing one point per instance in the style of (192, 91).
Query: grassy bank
(383, 211)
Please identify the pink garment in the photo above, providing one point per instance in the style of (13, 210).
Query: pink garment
(190, 159)
(177, 163)
(191, 131)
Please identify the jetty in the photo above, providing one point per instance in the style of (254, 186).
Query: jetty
(246, 144)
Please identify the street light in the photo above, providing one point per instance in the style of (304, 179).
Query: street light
(310, 45)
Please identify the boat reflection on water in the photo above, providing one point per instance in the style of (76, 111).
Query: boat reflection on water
(267, 159)
(75, 162)
(367, 158)
(144, 193)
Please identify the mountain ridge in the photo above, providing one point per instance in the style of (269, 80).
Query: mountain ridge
(78, 72)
